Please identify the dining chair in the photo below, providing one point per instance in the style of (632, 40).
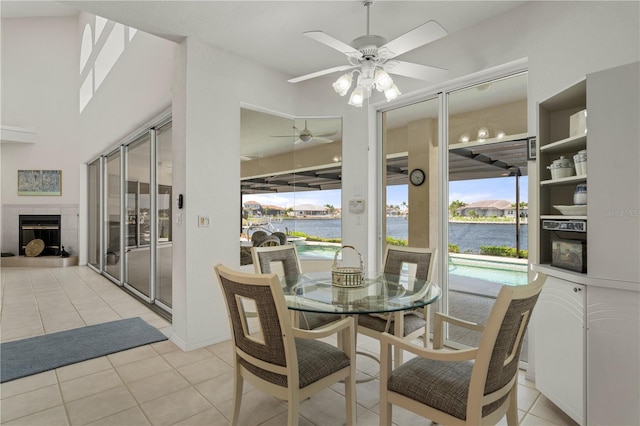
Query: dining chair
(284, 259)
(287, 362)
(403, 261)
(470, 386)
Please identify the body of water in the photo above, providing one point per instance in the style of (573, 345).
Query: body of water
(467, 236)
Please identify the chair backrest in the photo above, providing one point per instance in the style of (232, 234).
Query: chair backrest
(286, 256)
(496, 365)
(421, 261)
(247, 295)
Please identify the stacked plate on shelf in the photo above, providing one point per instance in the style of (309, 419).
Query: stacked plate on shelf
(576, 210)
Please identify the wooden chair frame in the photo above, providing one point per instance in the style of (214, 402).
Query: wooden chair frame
(481, 356)
(292, 392)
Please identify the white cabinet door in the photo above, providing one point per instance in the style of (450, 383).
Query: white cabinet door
(613, 370)
(614, 176)
(560, 346)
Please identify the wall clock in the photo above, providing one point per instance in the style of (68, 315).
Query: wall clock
(416, 177)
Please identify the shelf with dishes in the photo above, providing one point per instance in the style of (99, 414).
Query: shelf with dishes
(572, 210)
(564, 181)
(563, 217)
(566, 197)
(572, 143)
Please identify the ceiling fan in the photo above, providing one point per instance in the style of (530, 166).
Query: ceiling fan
(371, 56)
(305, 135)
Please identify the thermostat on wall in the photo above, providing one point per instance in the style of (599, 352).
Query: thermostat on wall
(356, 206)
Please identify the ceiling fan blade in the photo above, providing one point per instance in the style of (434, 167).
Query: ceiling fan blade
(424, 34)
(417, 71)
(320, 73)
(322, 140)
(324, 135)
(332, 42)
(313, 139)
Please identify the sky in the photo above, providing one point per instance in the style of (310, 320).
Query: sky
(468, 191)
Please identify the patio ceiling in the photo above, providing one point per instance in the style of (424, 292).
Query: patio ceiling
(479, 161)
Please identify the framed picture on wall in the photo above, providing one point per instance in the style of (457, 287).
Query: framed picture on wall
(39, 182)
(531, 155)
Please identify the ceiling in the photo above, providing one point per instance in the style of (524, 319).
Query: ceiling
(271, 33)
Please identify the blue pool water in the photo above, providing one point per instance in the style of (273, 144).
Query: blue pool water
(484, 269)
(317, 251)
(490, 274)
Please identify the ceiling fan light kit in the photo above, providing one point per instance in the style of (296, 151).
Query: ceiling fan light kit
(370, 56)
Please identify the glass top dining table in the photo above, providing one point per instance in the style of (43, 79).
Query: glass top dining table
(379, 293)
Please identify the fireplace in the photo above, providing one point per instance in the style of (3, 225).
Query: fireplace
(43, 227)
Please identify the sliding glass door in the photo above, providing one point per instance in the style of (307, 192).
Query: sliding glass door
(130, 215)
(487, 165)
(111, 243)
(94, 209)
(137, 213)
(410, 145)
(164, 235)
(472, 202)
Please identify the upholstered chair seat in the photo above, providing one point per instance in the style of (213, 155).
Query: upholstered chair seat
(469, 386)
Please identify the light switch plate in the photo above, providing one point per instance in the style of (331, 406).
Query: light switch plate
(204, 221)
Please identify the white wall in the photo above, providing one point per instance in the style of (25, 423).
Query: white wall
(39, 83)
(40, 90)
(138, 87)
(209, 87)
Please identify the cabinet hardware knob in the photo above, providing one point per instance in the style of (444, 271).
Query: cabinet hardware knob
(576, 289)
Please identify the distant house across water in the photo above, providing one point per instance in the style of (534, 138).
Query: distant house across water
(271, 210)
(310, 210)
(253, 207)
(491, 208)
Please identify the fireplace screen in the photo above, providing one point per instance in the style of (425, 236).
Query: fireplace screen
(43, 227)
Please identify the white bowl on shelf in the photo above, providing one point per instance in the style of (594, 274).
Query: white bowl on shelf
(576, 210)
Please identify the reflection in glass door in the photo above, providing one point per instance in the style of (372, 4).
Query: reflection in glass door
(94, 208)
(112, 253)
(487, 164)
(410, 143)
(137, 214)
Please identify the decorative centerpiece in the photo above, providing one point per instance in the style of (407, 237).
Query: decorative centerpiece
(346, 276)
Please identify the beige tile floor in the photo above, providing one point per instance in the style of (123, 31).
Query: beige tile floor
(159, 384)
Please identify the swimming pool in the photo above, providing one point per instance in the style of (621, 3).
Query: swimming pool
(317, 251)
(489, 268)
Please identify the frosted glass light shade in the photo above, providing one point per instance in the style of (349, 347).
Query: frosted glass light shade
(357, 97)
(392, 92)
(383, 80)
(342, 85)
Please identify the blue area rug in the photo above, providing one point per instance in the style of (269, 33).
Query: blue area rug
(23, 358)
